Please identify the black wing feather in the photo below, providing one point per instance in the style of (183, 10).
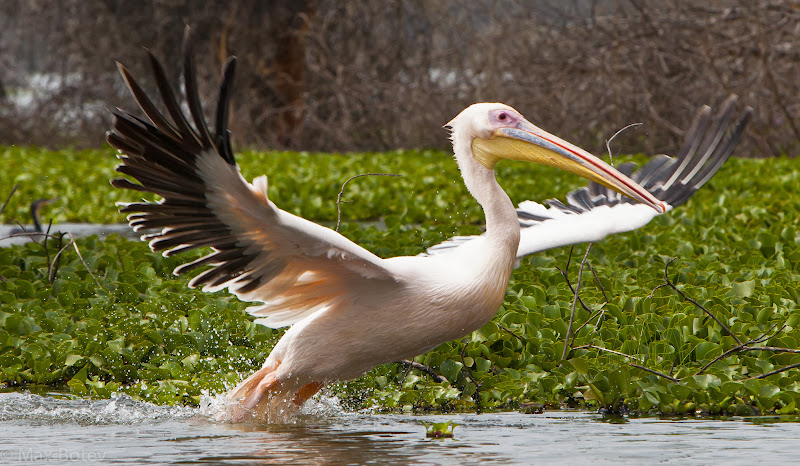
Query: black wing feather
(162, 154)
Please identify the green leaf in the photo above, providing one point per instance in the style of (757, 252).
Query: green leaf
(73, 359)
(744, 289)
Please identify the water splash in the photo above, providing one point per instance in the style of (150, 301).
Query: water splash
(220, 409)
(119, 409)
(323, 406)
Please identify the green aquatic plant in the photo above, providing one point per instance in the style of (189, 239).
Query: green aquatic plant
(116, 320)
(439, 429)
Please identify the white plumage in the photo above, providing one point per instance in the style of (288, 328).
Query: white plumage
(349, 310)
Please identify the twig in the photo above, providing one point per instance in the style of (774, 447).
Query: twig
(569, 259)
(46, 249)
(606, 350)
(29, 234)
(569, 284)
(647, 369)
(721, 356)
(477, 384)
(776, 371)
(13, 190)
(602, 313)
(770, 348)
(341, 193)
(766, 336)
(575, 302)
(75, 245)
(52, 268)
(687, 298)
(746, 347)
(501, 327)
(599, 312)
(597, 279)
(656, 289)
(608, 143)
(426, 369)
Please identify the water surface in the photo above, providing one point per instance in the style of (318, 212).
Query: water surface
(44, 429)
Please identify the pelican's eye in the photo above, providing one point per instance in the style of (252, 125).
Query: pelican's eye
(502, 117)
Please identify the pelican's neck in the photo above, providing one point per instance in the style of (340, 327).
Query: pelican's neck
(501, 218)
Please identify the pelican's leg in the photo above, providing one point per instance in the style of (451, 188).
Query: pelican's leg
(252, 391)
(306, 392)
(242, 390)
(268, 383)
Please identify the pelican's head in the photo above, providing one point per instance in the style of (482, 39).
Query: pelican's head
(497, 131)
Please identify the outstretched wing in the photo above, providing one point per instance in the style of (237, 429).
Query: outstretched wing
(260, 253)
(593, 212)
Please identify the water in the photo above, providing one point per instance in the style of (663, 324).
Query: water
(10, 236)
(48, 430)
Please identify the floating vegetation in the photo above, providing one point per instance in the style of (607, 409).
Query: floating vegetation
(714, 332)
(439, 429)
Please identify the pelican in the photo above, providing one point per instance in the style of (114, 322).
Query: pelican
(349, 310)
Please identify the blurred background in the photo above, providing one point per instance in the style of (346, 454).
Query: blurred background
(328, 75)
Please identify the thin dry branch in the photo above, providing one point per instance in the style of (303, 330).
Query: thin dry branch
(776, 371)
(574, 302)
(744, 347)
(600, 312)
(423, 368)
(477, 384)
(597, 279)
(687, 298)
(600, 348)
(507, 330)
(771, 348)
(52, 268)
(341, 193)
(655, 372)
(608, 142)
(13, 190)
(80, 256)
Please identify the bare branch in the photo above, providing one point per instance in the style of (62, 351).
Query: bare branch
(341, 192)
(597, 279)
(477, 384)
(13, 190)
(574, 302)
(771, 348)
(700, 306)
(501, 327)
(600, 348)
(599, 313)
(647, 369)
(53, 267)
(75, 245)
(608, 142)
(423, 368)
(776, 371)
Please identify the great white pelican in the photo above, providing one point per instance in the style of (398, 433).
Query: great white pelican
(349, 310)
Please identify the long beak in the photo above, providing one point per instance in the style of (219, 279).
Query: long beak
(531, 143)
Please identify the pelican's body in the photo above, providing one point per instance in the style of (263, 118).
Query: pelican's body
(349, 310)
(420, 302)
(396, 318)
